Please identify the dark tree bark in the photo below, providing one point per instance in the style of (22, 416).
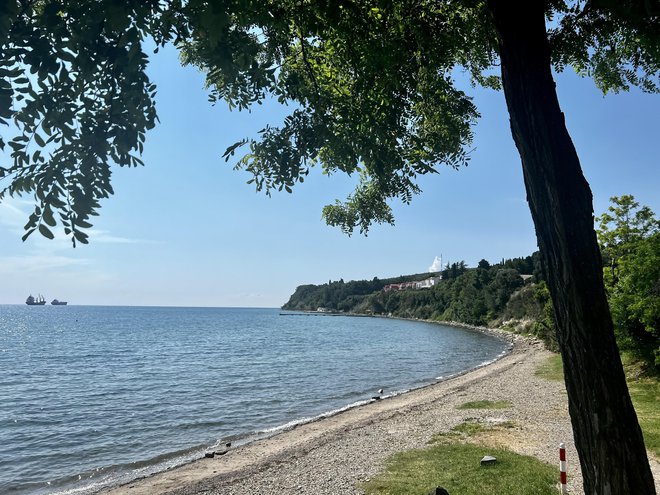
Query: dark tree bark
(607, 436)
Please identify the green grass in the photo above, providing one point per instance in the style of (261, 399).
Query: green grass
(552, 369)
(644, 391)
(470, 428)
(645, 394)
(454, 464)
(485, 404)
(452, 460)
(456, 467)
(644, 388)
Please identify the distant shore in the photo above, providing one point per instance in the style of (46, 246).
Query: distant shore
(335, 454)
(496, 332)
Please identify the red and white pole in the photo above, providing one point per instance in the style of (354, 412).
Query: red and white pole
(562, 469)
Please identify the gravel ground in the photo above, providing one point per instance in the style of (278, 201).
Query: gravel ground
(334, 455)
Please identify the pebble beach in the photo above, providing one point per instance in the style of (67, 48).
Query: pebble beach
(334, 455)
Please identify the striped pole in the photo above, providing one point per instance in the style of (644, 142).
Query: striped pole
(562, 469)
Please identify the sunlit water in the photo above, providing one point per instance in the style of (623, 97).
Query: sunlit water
(95, 396)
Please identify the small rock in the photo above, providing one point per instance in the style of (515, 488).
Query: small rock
(209, 455)
(488, 460)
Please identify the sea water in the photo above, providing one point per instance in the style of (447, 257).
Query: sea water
(96, 396)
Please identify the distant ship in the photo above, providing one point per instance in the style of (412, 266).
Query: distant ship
(55, 302)
(35, 301)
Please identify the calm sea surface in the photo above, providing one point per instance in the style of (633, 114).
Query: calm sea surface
(92, 396)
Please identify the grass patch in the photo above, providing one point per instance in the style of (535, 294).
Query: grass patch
(644, 388)
(485, 404)
(645, 394)
(551, 369)
(456, 467)
(470, 428)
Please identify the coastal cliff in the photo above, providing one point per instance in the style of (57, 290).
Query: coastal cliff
(509, 294)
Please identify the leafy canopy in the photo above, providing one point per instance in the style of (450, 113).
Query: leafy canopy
(75, 96)
(629, 235)
(622, 227)
(371, 83)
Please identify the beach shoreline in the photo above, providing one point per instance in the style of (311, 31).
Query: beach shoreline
(335, 453)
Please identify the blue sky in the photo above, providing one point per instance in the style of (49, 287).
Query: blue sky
(186, 229)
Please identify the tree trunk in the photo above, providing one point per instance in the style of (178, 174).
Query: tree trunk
(607, 435)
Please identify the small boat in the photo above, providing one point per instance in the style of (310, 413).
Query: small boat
(35, 301)
(55, 302)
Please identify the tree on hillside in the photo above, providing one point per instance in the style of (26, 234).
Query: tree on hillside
(454, 270)
(374, 93)
(635, 299)
(620, 231)
(630, 242)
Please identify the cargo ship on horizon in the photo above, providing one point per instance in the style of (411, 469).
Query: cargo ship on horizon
(35, 301)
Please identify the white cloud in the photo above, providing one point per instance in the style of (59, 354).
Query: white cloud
(12, 214)
(104, 236)
(33, 263)
(436, 266)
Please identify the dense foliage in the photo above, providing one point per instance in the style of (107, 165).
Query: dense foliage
(629, 235)
(74, 99)
(486, 295)
(373, 82)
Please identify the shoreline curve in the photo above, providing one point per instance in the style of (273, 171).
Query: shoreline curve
(334, 453)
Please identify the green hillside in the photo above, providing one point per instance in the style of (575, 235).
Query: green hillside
(509, 293)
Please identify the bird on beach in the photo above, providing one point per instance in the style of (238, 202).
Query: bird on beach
(380, 391)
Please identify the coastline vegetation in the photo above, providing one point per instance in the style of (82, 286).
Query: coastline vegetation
(489, 295)
(513, 294)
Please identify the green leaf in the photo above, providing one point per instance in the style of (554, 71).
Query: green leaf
(27, 234)
(83, 224)
(45, 231)
(81, 237)
(48, 217)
